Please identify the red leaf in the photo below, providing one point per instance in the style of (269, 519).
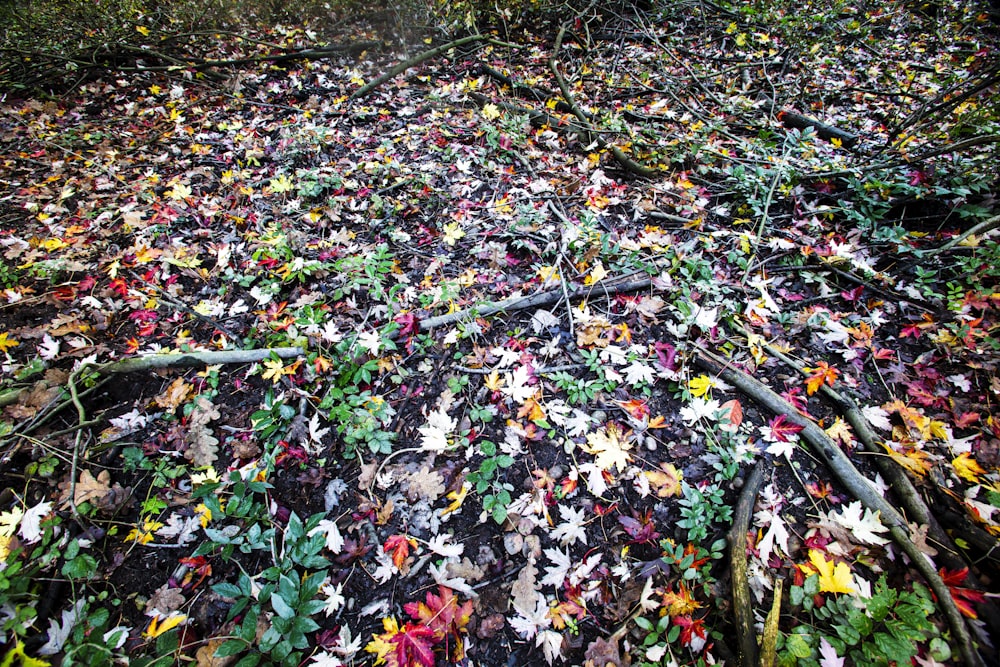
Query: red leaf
(399, 547)
(964, 598)
(689, 628)
(414, 645)
(782, 429)
(408, 323)
(822, 374)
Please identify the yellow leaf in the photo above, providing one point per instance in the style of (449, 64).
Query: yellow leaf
(274, 369)
(667, 480)
(596, 274)
(7, 343)
(967, 467)
(281, 184)
(700, 385)
(490, 111)
(9, 521)
(17, 653)
(179, 192)
(839, 430)
(914, 460)
(158, 627)
(456, 498)
(144, 535)
(493, 381)
(142, 30)
(547, 273)
(452, 233)
(833, 577)
(610, 448)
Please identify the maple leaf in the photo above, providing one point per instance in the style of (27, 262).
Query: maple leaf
(776, 534)
(967, 467)
(572, 529)
(681, 603)
(819, 375)
(964, 598)
(7, 343)
(862, 522)
(31, 529)
(698, 409)
(609, 447)
(701, 385)
(690, 628)
(445, 616)
(399, 547)
(829, 654)
(839, 430)
(833, 577)
(779, 429)
(144, 534)
(667, 480)
(334, 539)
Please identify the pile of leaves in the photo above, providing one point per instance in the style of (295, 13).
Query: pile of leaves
(332, 362)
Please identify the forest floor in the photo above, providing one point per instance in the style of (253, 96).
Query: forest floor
(520, 307)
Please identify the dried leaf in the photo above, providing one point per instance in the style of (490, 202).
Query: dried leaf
(175, 395)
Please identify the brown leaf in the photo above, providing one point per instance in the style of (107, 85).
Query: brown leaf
(203, 447)
(206, 655)
(426, 485)
(604, 653)
(165, 600)
(174, 395)
(87, 488)
(524, 592)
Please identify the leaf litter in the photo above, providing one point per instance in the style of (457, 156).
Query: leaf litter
(499, 484)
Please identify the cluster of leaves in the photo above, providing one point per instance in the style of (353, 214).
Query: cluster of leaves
(562, 470)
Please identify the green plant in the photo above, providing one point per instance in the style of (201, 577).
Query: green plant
(889, 627)
(288, 590)
(486, 481)
(701, 507)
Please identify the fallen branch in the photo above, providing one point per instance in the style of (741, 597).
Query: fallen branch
(982, 228)
(830, 453)
(746, 638)
(769, 641)
(625, 161)
(827, 132)
(533, 301)
(399, 68)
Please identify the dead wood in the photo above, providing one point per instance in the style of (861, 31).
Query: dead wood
(827, 132)
(746, 638)
(532, 301)
(830, 453)
(423, 56)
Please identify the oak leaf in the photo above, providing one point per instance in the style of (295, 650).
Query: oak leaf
(174, 395)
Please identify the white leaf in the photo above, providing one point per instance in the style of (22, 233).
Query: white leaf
(572, 529)
(528, 623)
(457, 584)
(646, 599)
(518, 387)
(551, 643)
(183, 528)
(877, 417)
(596, 483)
(371, 341)
(315, 432)
(439, 545)
(828, 655)
(543, 320)
(49, 349)
(60, 631)
(556, 573)
(31, 529)
(776, 535)
(334, 540)
(334, 597)
(863, 523)
(326, 659)
(639, 373)
(785, 449)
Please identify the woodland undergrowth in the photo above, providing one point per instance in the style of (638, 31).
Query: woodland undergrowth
(543, 333)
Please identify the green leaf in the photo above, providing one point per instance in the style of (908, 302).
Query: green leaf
(799, 646)
(282, 608)
(227, 590)
(248, 628)
(230, 648)
(251, 660)
(167, 642)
